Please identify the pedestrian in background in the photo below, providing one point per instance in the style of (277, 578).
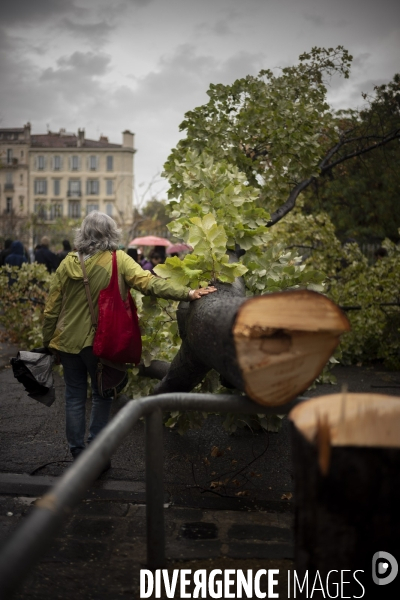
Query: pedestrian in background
(66, 249)
(5, 252)
(133, 253)
(44, 256)
(155, 258)
(16, 257)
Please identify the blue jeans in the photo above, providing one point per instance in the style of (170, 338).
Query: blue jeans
(76, 368)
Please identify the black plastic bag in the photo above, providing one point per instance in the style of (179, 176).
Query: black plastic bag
(34, 370)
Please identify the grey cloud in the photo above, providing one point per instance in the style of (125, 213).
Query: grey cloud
(221, 28)
(181, 81)
(6, 43)
(360, 59)
(314, 18)
(222, 25)
(94, 33)
(367, 19)
(349, 94)
(179, 76)
(36, 11)
(367, 86)
(78, 64)
(239, 65)
(139, 2)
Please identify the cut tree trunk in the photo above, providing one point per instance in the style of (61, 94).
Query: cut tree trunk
(271, 347)
(346, 458)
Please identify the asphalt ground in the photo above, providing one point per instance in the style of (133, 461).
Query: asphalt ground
(228, 497)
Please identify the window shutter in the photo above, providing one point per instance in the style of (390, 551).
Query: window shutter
(79, 163)
(45, 186)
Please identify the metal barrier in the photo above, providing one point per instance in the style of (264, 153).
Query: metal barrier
(30, 540)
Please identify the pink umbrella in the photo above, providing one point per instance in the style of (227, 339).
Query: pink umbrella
(150, 240)
(178, 248)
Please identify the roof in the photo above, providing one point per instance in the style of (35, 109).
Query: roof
(55, 140)
(12, 130)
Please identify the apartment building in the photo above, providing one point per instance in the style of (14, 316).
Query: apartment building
(14, 169)
(62, 174)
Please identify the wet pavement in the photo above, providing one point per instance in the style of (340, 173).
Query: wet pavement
(228, 497)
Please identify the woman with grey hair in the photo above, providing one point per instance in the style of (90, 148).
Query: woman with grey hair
(68, 330)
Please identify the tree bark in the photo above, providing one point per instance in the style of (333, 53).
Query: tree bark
(346, 458)
(271, 347)
(205, 327)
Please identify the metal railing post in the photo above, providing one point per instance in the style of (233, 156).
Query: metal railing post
(28, 543)
(155, 490)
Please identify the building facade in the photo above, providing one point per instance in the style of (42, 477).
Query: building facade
(62, 174)
(14, 175)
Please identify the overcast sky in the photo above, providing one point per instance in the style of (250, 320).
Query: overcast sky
(111, 65)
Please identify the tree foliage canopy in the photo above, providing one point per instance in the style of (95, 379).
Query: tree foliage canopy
(280, 131)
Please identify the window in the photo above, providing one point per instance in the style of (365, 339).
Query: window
(9, 187)
(74, 163)
(9, 156)
(92, 163)
(41, 210)
(21, 202)
(74, 209)
(57, 163)
(109, 210)
(110, 187)
(9, 205)
(21, 178)
(22, 154)
(40, 163)
(56, 187)
(56, 210)
(91, 207)
(92, 187)
(110, 163)
(40, 186)
(74, 187)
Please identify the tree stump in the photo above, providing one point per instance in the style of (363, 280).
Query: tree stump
(346, 457)
(271, 347)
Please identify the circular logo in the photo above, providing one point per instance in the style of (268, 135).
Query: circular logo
(384, 568)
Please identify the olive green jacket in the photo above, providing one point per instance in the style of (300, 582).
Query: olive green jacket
(67, 322)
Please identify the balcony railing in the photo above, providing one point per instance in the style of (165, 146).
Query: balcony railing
(8, 187)
(74, 193)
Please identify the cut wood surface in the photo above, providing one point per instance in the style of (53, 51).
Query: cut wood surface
(346, 460)
(297, 310)
(371, 420)
(271, 347)
(283, 342)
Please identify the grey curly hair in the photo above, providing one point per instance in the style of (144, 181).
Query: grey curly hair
(97, 232)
